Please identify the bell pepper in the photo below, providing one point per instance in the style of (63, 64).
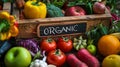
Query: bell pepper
(4, 25)
(7, 26)
(4, 15)
(35, 9)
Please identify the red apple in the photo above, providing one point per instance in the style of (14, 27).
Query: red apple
(74, 11)
(99, 8)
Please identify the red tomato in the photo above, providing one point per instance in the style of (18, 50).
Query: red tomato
(65, 44)
(56, 57)
(48, 44)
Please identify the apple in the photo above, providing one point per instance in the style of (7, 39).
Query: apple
(92, 49)
(17, 57)
(99, 8)
(75, 11)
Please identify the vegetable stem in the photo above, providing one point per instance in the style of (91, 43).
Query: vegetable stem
(65, 39)
(37, 1)
(49, 40)
(2, 25)
(57, 52)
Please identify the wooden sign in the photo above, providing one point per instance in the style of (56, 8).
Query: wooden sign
(58, 29)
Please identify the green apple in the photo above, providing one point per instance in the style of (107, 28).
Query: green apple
(92, 49)
(17, 57)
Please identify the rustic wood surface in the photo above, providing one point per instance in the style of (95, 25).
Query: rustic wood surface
(28, 27)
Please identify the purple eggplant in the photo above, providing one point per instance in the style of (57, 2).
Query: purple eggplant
(30, 44)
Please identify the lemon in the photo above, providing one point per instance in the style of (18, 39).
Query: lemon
(111, 61)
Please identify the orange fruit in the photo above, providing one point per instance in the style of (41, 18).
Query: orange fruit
(111, 61)
(108, 45)
(14, 31)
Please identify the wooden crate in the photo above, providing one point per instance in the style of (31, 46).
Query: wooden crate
(30, 28)
(6, 7)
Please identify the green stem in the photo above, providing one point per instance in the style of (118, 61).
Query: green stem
(65, 39)
(49, 40)
(57, 52)
(2, 25)
(37, 1)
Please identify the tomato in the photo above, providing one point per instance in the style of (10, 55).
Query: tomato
(56, 57)
(48, 44)
(64, 44)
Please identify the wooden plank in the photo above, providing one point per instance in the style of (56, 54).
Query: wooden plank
(70, 18)
(6, 7)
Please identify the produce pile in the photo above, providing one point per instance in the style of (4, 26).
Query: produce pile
(99, 47)
(58, 8)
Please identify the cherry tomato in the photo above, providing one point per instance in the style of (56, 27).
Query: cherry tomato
(56, 57)
(64, 44)
(48, 44)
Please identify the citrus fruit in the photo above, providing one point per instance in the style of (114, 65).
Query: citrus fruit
(108, 45)
(111, 61)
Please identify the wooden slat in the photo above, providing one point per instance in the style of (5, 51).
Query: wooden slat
(6, 7)
(64, 19)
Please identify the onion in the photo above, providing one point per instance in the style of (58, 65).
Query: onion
(99, 8)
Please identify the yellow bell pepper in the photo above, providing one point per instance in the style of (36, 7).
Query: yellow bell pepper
(35, 9)
(7, 27)
(31, 0)
(4, 15)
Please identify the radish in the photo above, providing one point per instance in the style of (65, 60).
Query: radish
(87, 58)
(73, 61)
